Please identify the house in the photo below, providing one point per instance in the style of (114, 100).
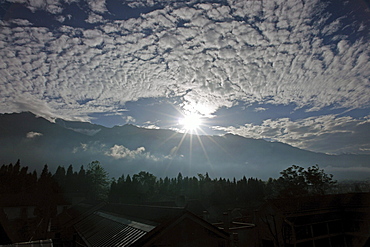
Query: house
(24, 217)
(239, 228)
(137, 225)
(185, 230)
(328, 220)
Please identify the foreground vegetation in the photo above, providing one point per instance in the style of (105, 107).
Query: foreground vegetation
(45, 192)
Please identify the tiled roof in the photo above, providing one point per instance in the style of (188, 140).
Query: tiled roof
(150, 238)
(102, 229)
(144, 213)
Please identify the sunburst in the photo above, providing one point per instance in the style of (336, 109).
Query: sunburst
(190, 122)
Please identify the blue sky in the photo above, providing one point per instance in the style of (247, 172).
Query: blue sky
(291, 71)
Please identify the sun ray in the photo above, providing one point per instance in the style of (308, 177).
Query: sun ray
(190, 124)
(215, 142)
(190, 150)
(178, 148)
(204, 151)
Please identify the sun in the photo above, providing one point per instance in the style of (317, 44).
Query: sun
(191, 122)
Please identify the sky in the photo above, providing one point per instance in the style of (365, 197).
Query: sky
(290, 71)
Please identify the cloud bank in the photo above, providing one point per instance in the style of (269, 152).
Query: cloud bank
(211, 54)
(326, 134)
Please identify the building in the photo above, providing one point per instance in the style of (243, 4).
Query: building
(241, 231)
(25, 218)
(328, 220)
(136, 225)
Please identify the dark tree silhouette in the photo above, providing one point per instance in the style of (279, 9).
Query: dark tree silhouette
(297, 181)
(98, 181)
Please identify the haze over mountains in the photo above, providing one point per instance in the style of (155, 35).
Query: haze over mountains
(129, 149)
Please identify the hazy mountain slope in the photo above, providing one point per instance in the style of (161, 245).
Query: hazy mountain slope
(129, 149)
(36, 141)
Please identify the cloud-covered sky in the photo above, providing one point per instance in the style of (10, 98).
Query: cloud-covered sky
(291, 71)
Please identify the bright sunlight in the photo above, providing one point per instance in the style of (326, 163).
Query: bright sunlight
(191, 122)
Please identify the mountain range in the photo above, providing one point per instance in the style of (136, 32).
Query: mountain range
(129, 149)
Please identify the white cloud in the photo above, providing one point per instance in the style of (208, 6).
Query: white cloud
(21, 22)
(84, 146)
(60, 18)
(283, 59)
(52, 6)
(29, 103)
(97, 5)
(89, 132)
(94, 18)
(93, 147)
(33, 134)
(129, 119)
(326, 134)
(120, 152)
(55, 6)
(93, 38)
(152, 126)
(259, 109)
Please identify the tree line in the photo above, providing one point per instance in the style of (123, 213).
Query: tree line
(94, 183)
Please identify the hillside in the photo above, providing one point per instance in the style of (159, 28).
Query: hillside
(130, 149)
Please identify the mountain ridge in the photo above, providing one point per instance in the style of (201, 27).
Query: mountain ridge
(129, 149)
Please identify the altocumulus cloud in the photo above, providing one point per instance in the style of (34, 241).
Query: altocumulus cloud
(266, 51)
(56, 6)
